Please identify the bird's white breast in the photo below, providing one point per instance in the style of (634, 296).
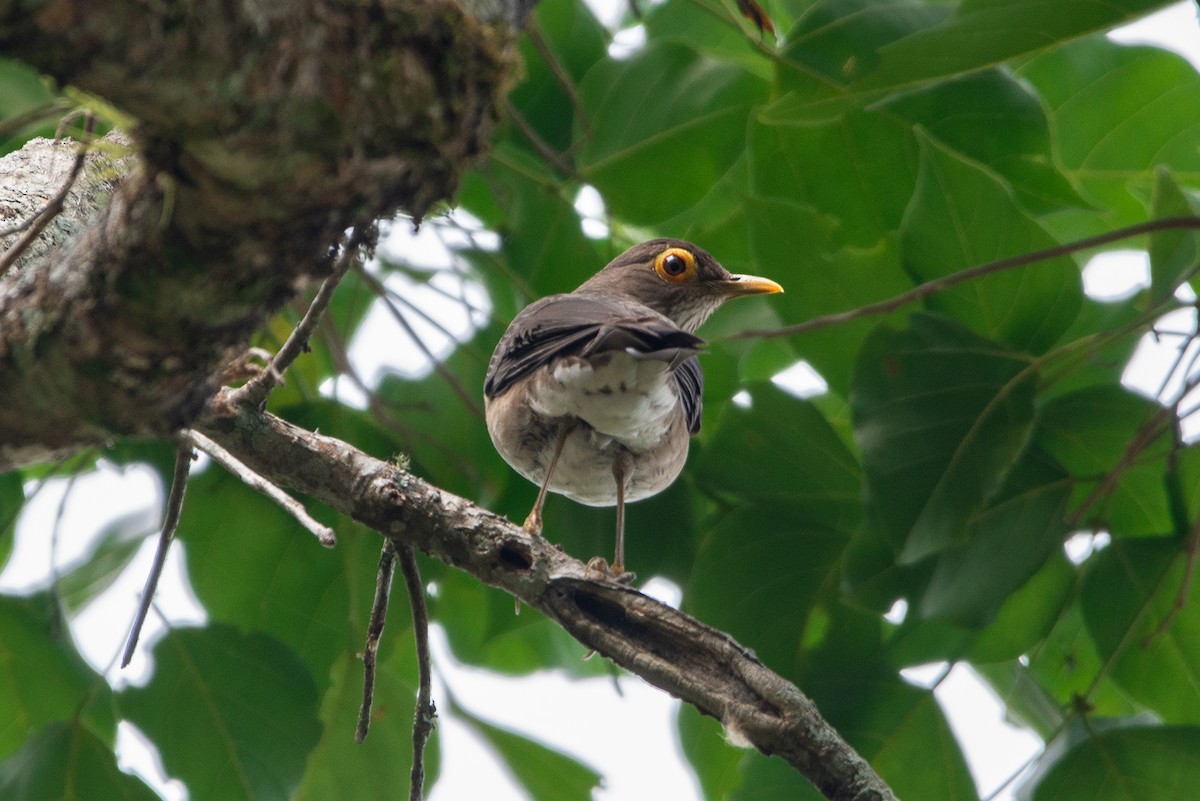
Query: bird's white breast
(620, 396)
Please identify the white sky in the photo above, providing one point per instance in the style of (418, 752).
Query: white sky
(629, 737)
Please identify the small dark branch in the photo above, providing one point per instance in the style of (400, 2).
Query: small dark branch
(555, 159)
(383, 590)
(179, 481)
(1151, 430)
(928, 288)
(438, 366)
(33, 226)
(560, 74)
(475, 353)
(1185, 587)
(255, 391)
(425, 713)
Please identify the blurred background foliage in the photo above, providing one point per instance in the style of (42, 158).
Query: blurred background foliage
(974, 479)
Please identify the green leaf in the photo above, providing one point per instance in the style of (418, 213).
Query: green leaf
(23, 91)
(277, 578)
(112, 551)
(42, 677)
(1173, 254)
(782, 449)
(575, 41)
(1118, 112)
(546, 774)
(981, 33)
(485, 627)
(715, 761)
(234, 715)
(962, 215)
(12, 501)
(66, 761)
(1089, 432)
(645, 114)
(1008, 542)
(821, 277)
(1067, 665)
(758, 576)
(340, 769)
(940, 416)
(852, 176)
(1127, 596)
(1028, 615)
(998, 121)
(898, 728)
(1146, 763)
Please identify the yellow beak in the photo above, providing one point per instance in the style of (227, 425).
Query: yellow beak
(749, 285)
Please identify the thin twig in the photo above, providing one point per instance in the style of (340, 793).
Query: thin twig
(37, 223)
(1185, 587)
(383, 590)
(553, 157)
(323, 533)
(179, 482)
(255, 391)
(561, 75)
(938, 284)
(438, 366)
(425, 713)
(466, 347)
(1143, 439)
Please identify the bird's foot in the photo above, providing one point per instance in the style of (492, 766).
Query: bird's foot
(616, 572)
(533, 523)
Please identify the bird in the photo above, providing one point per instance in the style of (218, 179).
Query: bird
(595, 394)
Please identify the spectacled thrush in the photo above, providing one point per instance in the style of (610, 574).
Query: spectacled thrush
(594, 394)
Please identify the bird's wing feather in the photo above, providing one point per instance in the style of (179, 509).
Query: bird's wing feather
(579, 325)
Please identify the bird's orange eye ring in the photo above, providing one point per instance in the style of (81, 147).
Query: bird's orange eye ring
(675, 265)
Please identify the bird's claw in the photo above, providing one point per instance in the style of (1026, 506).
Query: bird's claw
(617, 572)
(533, 524)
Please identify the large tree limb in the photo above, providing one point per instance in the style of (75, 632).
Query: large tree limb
(262, 131)
(677, 653)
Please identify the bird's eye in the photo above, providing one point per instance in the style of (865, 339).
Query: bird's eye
(675, 264)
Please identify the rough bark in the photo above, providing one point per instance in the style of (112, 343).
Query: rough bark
(677, 653)
(263, 131)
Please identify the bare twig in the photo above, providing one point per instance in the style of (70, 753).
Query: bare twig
(1143, 439)
(35, 224)
(323, 533)
(255, 391)
(928, 288)
(438, 366)
(179, 481)
(1185, 586)
(383, 590)
(426, 712)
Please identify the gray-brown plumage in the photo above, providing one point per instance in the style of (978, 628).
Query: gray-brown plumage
(594, 394)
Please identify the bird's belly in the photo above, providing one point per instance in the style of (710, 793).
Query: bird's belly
(524, 425)
(584, 472)
(631, 400)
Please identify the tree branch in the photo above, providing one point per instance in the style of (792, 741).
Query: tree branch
(667, 648)
(118, 321)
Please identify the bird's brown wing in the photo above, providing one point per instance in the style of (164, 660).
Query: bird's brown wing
(579, 325)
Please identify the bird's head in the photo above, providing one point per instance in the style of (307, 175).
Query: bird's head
(675, 278)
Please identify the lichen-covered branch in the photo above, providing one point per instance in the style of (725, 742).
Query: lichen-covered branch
(262, 131)
(701, 665)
